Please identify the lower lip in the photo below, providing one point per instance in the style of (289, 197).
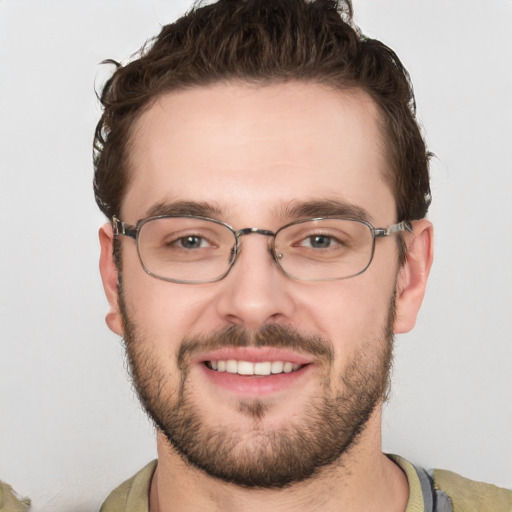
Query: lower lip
(255, 385)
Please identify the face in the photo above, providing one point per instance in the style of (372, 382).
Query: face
(259, 157)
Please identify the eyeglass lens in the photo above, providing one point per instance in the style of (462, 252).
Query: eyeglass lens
(188, 249)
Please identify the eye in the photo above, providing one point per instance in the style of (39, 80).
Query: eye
(319, 241)
(189, 242)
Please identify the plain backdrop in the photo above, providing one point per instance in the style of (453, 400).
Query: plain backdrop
(71, 428)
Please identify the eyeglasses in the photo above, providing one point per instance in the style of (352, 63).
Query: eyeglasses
(192, 249)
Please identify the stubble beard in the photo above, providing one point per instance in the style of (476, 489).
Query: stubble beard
(263, 456)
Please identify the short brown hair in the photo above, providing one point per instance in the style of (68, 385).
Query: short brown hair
(265, 41)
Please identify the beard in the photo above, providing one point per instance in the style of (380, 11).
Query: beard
(262, 456)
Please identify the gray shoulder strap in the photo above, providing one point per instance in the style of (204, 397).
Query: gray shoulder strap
(434, 499)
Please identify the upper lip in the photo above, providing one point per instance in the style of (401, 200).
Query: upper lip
(253, 354)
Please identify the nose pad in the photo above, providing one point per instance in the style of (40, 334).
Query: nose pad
(276, 255)
(276, 258)
(233, 254)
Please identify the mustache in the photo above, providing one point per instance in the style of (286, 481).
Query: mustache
(278, 336)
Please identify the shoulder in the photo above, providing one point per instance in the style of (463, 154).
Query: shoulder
(440, 490)
(131, 495)
(10, 501)
(470, 496)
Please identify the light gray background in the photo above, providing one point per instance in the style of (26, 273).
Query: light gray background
(70, 426)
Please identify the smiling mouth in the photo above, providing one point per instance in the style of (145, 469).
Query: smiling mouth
(262, 368)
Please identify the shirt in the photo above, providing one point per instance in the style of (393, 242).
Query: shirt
(429, 491)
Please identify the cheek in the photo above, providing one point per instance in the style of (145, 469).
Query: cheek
(160, 309)
(350, 312)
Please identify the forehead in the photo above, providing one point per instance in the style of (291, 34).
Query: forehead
(252, 150)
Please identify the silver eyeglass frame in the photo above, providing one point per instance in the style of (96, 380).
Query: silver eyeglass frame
(120, 228)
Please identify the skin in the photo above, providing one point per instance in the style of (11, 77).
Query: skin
(255, 151)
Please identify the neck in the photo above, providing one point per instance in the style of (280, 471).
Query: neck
(363, 480)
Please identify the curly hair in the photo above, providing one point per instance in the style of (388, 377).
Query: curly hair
(264, 41)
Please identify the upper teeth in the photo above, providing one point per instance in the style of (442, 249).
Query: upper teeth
(248, 368)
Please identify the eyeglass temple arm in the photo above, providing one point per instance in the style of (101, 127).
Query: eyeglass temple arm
(405, 225)
(120, 228)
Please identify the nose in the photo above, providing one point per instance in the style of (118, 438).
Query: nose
(255, 292)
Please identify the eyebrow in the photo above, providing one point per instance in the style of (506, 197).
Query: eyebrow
(324, 208)
(295, 210)
(200, 209)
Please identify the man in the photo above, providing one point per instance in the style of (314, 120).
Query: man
(267, 184)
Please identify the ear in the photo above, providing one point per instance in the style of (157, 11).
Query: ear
(108, 271)
(413, 275)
